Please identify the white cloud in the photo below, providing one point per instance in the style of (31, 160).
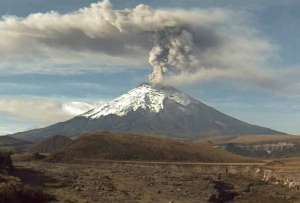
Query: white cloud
(42, 111)
(4, 131)
(76, 108)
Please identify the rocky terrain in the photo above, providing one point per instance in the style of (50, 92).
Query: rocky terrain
(115, 182)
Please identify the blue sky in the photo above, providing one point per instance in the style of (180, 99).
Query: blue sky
(275, 21)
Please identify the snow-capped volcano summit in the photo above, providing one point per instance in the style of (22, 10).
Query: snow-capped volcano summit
(154, 110)
(146, 97)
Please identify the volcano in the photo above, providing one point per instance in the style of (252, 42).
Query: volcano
(152, 110)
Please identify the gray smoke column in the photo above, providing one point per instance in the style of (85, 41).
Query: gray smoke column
(171, 54)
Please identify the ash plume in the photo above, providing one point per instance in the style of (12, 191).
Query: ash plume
(172, 53)
(177, 43)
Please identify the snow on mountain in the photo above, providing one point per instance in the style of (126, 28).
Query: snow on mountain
(144, 97)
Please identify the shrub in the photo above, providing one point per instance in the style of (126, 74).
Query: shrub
(5, 162)
(13, 191)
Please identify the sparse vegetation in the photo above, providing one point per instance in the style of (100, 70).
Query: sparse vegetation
(12, 190)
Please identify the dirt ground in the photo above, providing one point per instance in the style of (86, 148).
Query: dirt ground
(148, 183)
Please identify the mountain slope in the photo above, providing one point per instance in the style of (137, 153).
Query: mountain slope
(108, 146)
(153, 110)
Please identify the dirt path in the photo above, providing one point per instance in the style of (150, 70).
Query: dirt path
(168, 163)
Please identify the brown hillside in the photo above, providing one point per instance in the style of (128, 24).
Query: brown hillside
(51, 145)
(108, 146)
(8, 143)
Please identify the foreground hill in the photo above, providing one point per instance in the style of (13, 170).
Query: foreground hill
(150, 109)
(51, 145)
(107, 146)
